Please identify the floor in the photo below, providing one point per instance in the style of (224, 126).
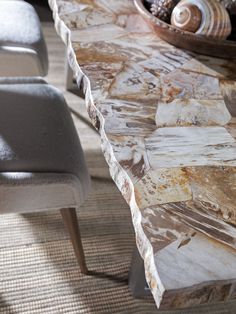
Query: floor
(38, 270)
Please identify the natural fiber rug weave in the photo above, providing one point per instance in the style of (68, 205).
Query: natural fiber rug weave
(38, 270)
(39, 273)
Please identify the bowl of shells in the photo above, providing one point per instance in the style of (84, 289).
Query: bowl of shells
(202, 26)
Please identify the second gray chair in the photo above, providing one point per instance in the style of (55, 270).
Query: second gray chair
(23, 50)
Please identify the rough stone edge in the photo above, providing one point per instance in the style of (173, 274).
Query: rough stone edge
(119, 176)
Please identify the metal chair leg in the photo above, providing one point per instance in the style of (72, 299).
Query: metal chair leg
(70, 220)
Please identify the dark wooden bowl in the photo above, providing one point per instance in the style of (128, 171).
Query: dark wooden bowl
(217, 48)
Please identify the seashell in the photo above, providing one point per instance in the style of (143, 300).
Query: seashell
(162, 9)
(203, 17)
(230, 5)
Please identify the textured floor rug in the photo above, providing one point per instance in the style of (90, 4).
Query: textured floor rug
(38, 270)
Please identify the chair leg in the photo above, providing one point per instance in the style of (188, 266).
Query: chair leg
(70, 220)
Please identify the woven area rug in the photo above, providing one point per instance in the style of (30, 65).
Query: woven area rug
(38, 270)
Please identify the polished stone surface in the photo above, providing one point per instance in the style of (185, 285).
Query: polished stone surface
(167, 123)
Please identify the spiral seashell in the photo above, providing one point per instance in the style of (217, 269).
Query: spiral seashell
(203, 17)
(230, 6)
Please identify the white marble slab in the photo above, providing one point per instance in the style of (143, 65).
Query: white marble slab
(191, 146)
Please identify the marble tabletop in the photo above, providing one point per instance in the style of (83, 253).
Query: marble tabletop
(178, 173)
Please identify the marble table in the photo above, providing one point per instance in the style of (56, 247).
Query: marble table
(178, 174)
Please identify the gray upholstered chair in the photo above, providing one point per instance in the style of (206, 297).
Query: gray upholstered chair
(23, 50)
(42, 165)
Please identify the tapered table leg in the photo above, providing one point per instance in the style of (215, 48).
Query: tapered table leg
(70, 220)
(69, 76)
(137, 281)
(71, 84)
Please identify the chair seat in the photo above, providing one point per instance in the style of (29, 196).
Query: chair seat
(23, 50)
(41, 159)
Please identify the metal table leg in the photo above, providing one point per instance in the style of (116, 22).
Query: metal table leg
(137, 281)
